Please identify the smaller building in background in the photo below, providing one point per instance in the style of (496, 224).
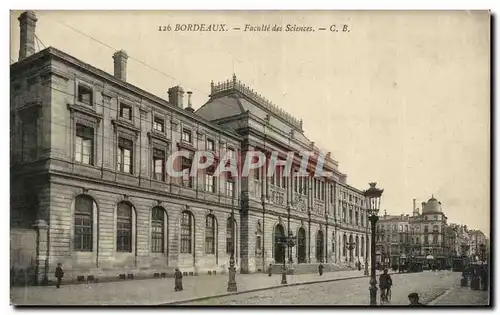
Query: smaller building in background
(393, 239)
(476, 239)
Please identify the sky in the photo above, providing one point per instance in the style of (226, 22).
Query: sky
(402, 99)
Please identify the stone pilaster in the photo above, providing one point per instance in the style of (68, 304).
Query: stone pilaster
(42, 261)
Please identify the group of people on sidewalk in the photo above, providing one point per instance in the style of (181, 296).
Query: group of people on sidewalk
(59, 274)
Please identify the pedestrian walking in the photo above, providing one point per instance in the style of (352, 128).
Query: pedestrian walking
(320, 269)
(359, 266)
(59, 275)
(413, 297)
(178, 280)
(270, 270)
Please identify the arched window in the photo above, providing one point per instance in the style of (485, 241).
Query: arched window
(229, 238)
(158, 230)
(124, 227)
(279, 249)
(186, 232)
(83, 223)
(210, 228)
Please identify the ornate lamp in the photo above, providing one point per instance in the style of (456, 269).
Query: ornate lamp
(372, 201)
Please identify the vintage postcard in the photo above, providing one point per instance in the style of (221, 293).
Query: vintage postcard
(250, 158)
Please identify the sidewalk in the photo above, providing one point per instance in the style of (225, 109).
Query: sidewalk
(157, 291)
(463, 296)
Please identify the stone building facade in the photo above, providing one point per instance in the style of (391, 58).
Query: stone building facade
(88, 181)
(393, 238)
(476, 239)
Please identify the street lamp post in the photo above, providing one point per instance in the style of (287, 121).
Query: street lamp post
(372, 196)
(286, 242)
(350, 246)
(231, 284)
(366, 251)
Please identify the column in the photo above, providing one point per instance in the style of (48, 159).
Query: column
(42, 261)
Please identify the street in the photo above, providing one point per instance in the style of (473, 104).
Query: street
(429, 285)
(156, 291)
(336, 288)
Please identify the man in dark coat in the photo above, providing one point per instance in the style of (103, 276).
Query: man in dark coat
(320, 269)
(413, 297)
(178, 280)
(385, 283)
(59, 275)
(270, 270)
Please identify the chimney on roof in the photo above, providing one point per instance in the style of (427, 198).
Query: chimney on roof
(190, 106)
(175, 96)
(120, 62)
(27, 25)
(415, 209)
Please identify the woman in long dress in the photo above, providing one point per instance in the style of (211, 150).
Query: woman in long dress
(178, 280)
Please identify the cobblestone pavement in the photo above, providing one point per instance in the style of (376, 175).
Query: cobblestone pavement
(463, 296)
(428, 284)
(155, 291)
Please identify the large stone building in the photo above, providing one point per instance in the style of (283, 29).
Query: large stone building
(427, 230)
(418, 237)
(392, 240)
(89, 188)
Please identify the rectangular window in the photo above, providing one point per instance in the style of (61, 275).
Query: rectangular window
(186, 135)
(124, 158)
(323, 191)
(84, 144)
(210, 180)
(29, 138)
(284, 176)
(186, 247)
(278, 176)
(231, 153)
(85, 95)
(210, 145)
(209, 235)
(187, 180)
(295, 183)
(125, 111)
(159, 124)
(158, 164)
(229, 187)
